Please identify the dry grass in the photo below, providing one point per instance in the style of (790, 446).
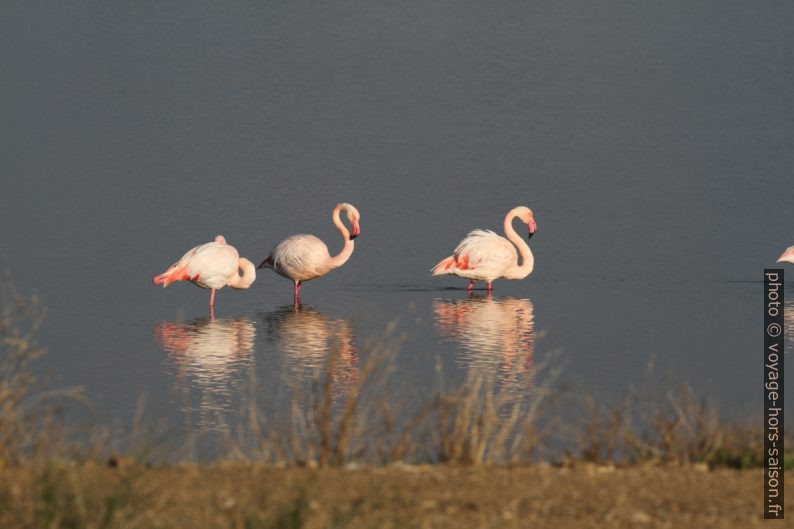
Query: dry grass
(482, 423)
(30, 409)
(332, 424)
(665, 422)
(255, 496)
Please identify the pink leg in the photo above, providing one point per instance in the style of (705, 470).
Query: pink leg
(212, 313)
(489, 286)
(471, 286)
(212, 297)
(297, 291)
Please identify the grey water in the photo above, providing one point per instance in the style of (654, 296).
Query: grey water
(654, 142)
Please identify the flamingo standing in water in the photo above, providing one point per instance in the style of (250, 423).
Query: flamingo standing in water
(305, 257)
(213, 265)
(484, 256)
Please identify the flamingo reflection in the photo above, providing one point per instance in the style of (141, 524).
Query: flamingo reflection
(788, 325)
(212, 355)
(497, 335)
(306, 338)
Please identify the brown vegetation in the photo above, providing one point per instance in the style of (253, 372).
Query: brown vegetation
(91, 496)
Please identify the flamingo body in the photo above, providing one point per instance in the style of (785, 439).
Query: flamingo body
(301, 258)
(305, 257)
(213, 265)
(484, 255)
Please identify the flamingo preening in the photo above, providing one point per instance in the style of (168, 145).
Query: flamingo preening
(484, 256)
(213, 265)
(305, 257)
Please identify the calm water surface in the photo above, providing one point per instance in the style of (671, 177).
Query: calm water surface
(653, 142)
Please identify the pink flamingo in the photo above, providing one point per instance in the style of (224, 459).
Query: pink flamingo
(305, 257)
(484, 256)
(787, 256)
(213, 265)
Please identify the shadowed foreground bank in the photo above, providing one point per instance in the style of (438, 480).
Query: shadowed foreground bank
(396, 496)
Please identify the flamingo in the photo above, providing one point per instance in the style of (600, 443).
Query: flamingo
(484, 256)
(305, 257)
(213, 265)
(787, 256)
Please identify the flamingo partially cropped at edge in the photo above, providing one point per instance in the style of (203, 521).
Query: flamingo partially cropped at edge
(213, 265)
(484, 256)
(305, 257)
(787, 256)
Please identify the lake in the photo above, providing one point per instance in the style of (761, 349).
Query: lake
(653, 142)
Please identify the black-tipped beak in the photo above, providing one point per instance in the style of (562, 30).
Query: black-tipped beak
(355, 231)
(532, 227)
(266, 262)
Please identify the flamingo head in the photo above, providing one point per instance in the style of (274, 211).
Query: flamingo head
(353, 216)
(528, 218)
(787, 256)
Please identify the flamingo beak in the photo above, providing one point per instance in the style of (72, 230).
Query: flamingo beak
(355, 230)
(266, 262)
(532, 228)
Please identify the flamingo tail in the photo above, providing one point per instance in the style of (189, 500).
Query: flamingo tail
(175, 273)
(445, 266)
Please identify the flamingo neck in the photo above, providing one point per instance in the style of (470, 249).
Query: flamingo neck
(347, 250)
(527, 259)
(248, 277)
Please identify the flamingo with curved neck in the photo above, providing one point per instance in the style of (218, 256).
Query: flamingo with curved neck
(213, 265)
(305, 257)
(484, 256)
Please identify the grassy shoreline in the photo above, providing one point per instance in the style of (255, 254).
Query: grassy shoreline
(91, 495)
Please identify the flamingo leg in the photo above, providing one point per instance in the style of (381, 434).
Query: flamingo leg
(297, 291)
(471, 286)
(489, 286)
(212, 313)
(212, 297)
